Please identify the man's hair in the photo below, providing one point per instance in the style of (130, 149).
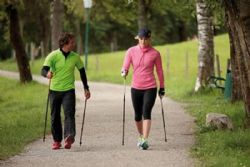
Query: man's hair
(64, 38)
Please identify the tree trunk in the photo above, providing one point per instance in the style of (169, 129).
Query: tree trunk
(206, 44)
(182, 31)
(17, 42)
(79, 45)
(142, 14)
(45, 34)
(56, 23)
(114, 42)
(235, 67)
(238, 14)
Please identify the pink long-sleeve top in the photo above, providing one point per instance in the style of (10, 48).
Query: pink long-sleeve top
(143, 61)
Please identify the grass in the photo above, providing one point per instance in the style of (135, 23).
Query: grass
(224, 148)
(22, 115)
(219, 148)
(213, 148)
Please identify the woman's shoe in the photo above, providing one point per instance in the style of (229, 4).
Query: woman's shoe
(144, 144)
(139, 141)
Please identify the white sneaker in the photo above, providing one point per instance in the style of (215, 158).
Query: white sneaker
(139, 141)
(144, 144)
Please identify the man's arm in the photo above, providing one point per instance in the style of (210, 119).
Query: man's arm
(84, 78)
(45, 70)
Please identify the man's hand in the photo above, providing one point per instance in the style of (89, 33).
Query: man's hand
(87, 93)
(161, 92)
(49, 75)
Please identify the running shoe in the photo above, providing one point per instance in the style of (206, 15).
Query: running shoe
(68, 142)
(144, 144)
(56, 145)
(139, 141)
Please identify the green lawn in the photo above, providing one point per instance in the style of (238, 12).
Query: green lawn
(213, 148)
(22, 115)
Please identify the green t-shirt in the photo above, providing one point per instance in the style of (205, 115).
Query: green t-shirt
(63, 69)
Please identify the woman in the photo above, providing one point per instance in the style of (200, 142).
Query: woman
(144, 58)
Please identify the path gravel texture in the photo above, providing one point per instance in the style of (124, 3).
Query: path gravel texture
(102, 134)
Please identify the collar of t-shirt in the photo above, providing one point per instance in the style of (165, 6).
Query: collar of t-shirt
(64, 53)
(144, 49)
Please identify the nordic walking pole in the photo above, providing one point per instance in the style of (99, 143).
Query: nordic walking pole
(46, 113)
(123, 125)
(83, 118)
(162, 111)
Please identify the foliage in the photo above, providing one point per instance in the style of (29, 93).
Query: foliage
(4, 35)
(34, 20)
(110, 21)
(218, 15)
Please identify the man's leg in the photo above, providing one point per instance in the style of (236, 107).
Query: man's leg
(56, 124)
(69, 120)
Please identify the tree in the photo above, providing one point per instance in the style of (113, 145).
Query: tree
(17, 42)
(206, 44)
(74, 20)
(238, 16)
(142, 14)
(111, 22)
(5, 48)
(235, 69)
(56, 22)
(35, 23)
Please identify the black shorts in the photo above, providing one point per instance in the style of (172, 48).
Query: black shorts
(143, 102)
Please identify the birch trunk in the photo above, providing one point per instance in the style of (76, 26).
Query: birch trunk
(206, 44)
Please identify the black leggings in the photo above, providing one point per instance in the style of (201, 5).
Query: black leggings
(143, 102)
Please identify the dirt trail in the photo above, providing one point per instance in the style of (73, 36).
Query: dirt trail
(102, 135)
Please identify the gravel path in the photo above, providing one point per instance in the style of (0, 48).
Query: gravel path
(102, 134)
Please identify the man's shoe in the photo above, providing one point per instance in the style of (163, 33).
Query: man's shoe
(68, 142)
(56, 145)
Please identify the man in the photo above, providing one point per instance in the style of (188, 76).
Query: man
(59, 67)
(144, 58)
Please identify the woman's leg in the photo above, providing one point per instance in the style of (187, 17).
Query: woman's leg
(148, 103)
(139, 127)
(146, 128)
(137, 100)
